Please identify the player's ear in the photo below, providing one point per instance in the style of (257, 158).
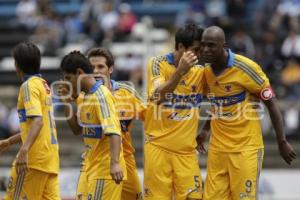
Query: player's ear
(180, 47)
(79, 71)
(111, 69)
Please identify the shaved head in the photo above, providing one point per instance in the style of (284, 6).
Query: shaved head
(215, 33)
(213, 44)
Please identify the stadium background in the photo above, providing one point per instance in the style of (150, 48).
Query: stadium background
(134, 30)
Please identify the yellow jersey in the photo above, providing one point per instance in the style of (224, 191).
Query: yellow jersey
(99, 119)
(35, 100)
(173, 124)
(129, 106)
(234, 95)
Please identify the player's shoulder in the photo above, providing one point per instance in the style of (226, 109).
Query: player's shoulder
(128, 90)
(34, 83)
(245, 64)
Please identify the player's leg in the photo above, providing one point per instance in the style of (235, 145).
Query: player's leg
(82, 186)
(51, 191)
(244, 172)
(132, 189)
(104, 189)
(187, 178)
(22, 186)
(157, 174)
(217, 179)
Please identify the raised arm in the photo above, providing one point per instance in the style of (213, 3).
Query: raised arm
(161, 90)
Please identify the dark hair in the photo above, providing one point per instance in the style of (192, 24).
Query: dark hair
(103, 53)
(187, 35)
(28, 57)
(76, 60)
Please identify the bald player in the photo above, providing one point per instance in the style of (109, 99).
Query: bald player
(235, 85)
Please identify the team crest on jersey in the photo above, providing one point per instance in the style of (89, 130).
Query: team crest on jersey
(228, 88)
(89, 197)
(193, 88)
(24, 197)
(10, 183)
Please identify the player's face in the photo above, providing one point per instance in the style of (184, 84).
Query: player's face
(195, 48)
(100, 66)
(211, 49)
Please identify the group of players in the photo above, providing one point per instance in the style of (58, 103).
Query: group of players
(176, 86)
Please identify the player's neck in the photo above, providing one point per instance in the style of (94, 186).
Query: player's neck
(221, 64)
(176, 58)
(87, 83)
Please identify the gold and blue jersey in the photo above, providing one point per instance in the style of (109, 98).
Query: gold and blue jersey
(99, 119)
(129, 106)
(35, 100)
(173, 124)
(234, 95)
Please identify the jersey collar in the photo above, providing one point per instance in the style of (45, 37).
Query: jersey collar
(27, 76)
(170, 58)
(114, 84)
(95, 86)
(230, 58)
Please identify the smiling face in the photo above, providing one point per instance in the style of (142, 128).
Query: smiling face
(100, 66)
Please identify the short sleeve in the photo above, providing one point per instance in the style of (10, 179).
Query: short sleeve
(106, 112)
(155, 75)
(32, 99)
(256, 81)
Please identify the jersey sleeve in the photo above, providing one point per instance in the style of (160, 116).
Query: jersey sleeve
(106, 112)
(32, 99)
(139, 106)
(256, 81)
(155, 73)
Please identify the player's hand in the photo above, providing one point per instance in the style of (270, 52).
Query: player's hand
(102, 77)
(287, 152)
(4, 145)
(201, 138)
(63, 91)
(22, 160)
(186, 62)
(116, 172)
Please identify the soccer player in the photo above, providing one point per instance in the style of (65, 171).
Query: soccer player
(129, 106)
(37, 162)
(174, 85)
(234, 86)
(99, 123)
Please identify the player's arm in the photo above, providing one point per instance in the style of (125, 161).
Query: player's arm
(73, 121)
(6, 143)
(286, 150)
(160, 92)
(115, 150)
(201, 137)
(71, 116)
(35, 125)
(255, 81)
(110, 123)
